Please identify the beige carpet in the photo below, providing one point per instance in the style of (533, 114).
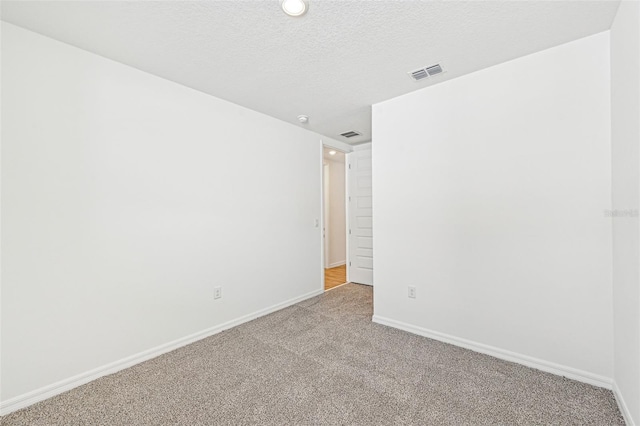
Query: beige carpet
(323, 362)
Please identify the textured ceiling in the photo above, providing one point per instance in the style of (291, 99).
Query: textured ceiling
(331, 64)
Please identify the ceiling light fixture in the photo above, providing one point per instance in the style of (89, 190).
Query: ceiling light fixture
(295, 7)
(332, 153)
(304, 119)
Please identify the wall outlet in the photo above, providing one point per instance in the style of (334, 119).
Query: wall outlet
(412, 292)
(217, 293)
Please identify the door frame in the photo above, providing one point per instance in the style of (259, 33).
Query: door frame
(346, 149)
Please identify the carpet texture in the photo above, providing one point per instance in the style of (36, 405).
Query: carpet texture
(324, 362)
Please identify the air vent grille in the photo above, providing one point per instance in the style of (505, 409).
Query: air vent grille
(425, 72)
(436, 69)
(419, 74)
(350, 134)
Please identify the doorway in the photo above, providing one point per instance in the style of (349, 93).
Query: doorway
(334, 217)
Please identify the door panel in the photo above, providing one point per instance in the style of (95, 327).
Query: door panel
(325, 214)
(360, 216)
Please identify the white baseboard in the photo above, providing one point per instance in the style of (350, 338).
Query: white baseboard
(29, 398)
(626, 414)
(336, 264)
(539, 364)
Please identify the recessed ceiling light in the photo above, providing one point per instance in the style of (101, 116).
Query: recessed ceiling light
(295, 7)
(332, 153)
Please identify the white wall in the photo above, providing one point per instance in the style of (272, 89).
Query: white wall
(126, 199)
(337, 215)
(625, 139)
(489, 197)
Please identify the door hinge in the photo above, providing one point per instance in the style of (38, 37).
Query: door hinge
(349, 166)
(349, 231)
(349, 263)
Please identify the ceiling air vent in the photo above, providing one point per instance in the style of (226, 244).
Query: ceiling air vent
(425, 72)
(350, 134)
(419, 74)
(433, 70)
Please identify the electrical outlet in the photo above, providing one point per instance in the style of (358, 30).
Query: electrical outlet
(217, 293)
(412, 292)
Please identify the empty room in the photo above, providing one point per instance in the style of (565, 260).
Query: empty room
(320, 212)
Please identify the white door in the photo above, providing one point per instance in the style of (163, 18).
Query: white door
(360, 216)
(325, 213)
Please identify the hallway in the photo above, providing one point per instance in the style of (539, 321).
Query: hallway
(333, 277)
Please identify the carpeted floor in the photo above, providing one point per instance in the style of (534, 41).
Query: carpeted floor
(324, 362)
